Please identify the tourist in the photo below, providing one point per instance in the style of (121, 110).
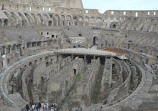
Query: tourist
(47, 106)
(101, 108)
(33, 107)
(39, 105)
(42, 105)
(27, 107)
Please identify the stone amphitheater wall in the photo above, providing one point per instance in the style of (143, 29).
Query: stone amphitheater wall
(13, 68)
(42, 8)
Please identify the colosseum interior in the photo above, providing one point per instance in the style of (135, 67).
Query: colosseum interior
(55, 51)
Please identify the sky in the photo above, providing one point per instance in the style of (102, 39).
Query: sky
(104, 5)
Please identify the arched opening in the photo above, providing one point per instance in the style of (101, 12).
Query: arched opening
(29, 18)
(79, 35)
(38, 43)
(114, 26)
(30, 64)
(63, 23)
(2, 7)
(42, 84)
(52, 36)
(95, 41)
(8, 61)
(69, 20)
(28, 45)
(5, 22)
(74, 71)
(25, 22)
(35, 62)
(47, 64)
(99, 22)
(50, 23)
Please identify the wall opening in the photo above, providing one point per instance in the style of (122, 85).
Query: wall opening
(30, 9)
(38, 43)
(52, 36)
(86, 11)
(136, 14)
(5, 22)
(30, 64)
(2, 7)
(79, 35)
(114, 26)
(74, 72)
(112, 12)
(43, 9)
(124, 13)
(49, 9)
(50, 23)
(17, 7)
(47, 64)
(95, 41)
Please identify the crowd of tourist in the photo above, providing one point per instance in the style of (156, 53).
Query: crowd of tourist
(47, 107)
(41, 106)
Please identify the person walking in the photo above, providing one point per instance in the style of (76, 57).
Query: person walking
(27, 107)
(33, 107)
(47, 106)
(39, 105)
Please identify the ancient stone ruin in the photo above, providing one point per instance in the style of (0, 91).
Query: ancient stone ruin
(55, 51)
